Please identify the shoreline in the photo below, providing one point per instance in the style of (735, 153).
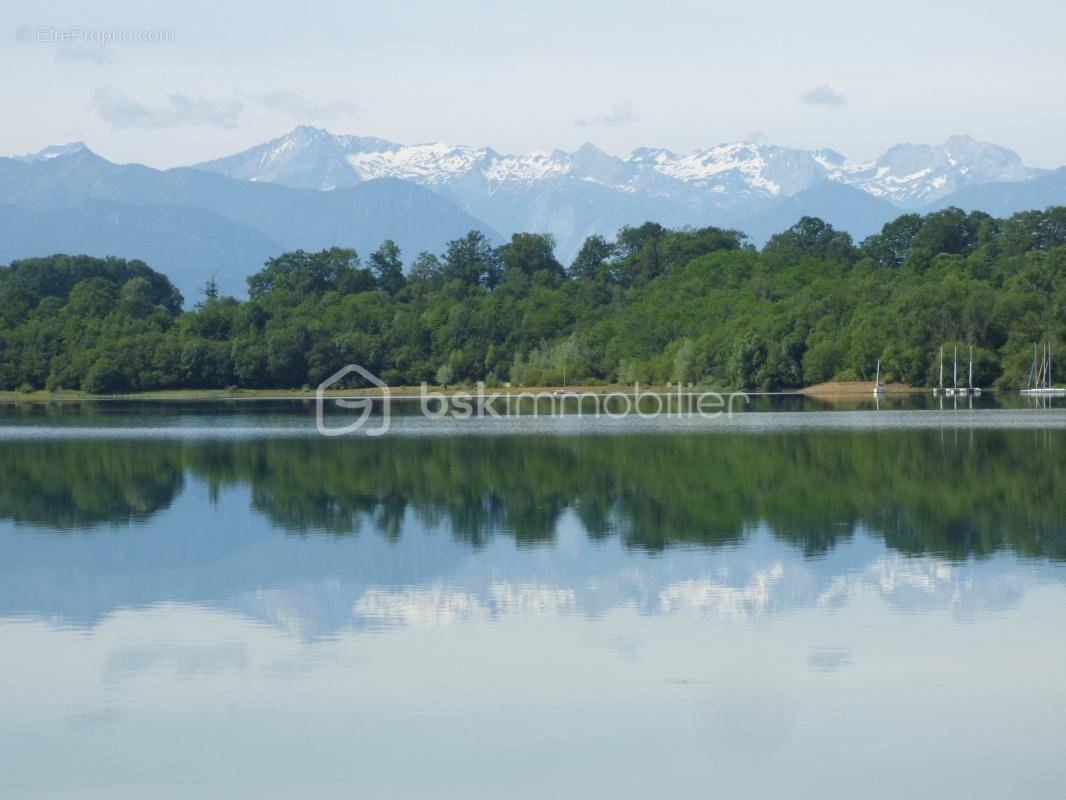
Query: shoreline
(840, 389)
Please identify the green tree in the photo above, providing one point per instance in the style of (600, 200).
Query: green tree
(591, 260)
(387, 267)
(531, 253)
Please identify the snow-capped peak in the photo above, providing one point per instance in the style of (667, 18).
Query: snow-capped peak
(430, 163)
(911, 174)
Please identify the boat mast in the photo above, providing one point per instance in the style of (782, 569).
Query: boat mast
(941, 367)
(955, 369)
(1031, 383)
(971, 367)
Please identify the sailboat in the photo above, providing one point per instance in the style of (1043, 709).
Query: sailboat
(972, 390)
(959, 390)
(1040, 375)
(879, 388)
(940, 388)
(954, 388)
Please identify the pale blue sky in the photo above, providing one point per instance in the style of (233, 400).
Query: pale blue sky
(854, 76)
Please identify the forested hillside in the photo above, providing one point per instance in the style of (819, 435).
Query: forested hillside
(653, 305)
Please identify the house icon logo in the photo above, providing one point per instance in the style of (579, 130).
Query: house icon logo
(365, 405)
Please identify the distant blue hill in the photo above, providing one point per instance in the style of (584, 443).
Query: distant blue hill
(844, 207)
(188, 244)
(190, 223)
(1003, 198)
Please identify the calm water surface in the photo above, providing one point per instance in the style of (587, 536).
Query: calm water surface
(211, 601)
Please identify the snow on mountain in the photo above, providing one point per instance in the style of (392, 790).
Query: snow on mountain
(776, 171)
(911, 175)
(424, 163)
(906, 175)
(314, 158)
(310, 157)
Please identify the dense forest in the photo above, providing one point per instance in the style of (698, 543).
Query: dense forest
(654, 305)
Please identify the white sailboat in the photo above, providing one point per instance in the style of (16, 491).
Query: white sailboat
(879, 388)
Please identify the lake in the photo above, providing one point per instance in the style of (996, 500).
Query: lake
(808, 600)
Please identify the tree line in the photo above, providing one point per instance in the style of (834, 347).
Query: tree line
(653, 305)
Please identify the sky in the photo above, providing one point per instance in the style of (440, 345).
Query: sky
(213, 78)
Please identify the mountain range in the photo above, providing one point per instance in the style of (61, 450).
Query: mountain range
(311, 188)
(194, 225)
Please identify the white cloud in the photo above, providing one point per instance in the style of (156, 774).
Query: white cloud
(824, 96)
(179, 110)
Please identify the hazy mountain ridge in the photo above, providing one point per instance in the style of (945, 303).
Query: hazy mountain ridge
(728, 184)
(196, 224)
(52, 151)
(1005, 198)
(845, 207)
(189, 244)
